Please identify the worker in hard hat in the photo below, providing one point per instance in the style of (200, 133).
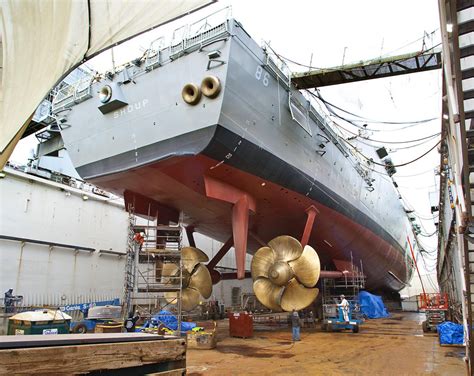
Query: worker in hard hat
(295, 325)
(344, 307)
(139, 238)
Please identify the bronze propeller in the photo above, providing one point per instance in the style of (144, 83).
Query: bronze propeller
(195, 278)
(285, 274)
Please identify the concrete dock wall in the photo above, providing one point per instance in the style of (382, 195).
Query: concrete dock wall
(37, 210)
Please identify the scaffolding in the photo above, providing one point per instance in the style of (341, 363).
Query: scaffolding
(349, 285)
(152, 247)
(129, 275)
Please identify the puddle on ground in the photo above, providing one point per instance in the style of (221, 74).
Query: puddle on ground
(196, 370)
(255, 352)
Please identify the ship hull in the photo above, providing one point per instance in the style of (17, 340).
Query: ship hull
(341, 232)
(259, 135)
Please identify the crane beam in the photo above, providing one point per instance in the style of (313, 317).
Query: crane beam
(367, 70)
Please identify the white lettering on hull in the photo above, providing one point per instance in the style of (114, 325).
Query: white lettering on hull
(130, 108)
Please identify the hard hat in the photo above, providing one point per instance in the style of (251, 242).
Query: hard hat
(342, 296)
(142, 233)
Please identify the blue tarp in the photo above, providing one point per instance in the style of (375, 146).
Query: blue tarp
(450, 333)
(372, 306)
(171, 321)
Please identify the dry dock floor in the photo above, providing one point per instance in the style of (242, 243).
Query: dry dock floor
(393, 346)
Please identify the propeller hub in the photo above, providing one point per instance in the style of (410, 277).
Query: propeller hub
(280, 273)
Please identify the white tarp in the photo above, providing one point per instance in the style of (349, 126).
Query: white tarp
(41, 40)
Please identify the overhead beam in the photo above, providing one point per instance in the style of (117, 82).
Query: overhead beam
(368, 70)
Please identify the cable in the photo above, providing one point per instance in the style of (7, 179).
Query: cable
(384, 142)
(427, 218)
(389, 142)
(429, 236)
(365, 129)
(418, 188)
(385, 130)
(372, 60)
(417, 174)
(425, 248)
(429, 270)
(296, 63)
(399, 165)
(417, 40)
(395, 149)
(365, 119)
(411, 146)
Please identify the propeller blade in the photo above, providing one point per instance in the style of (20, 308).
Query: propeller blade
(296, 296)
(261, 262)
(169, 274)
(307, 267)
(267, 293)
(171, 297)
(201, 281)
(189, 298)
(286, 248)
(192, 256)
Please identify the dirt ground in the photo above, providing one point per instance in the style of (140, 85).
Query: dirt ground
(393, 346)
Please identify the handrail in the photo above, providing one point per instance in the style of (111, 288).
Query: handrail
(50, 244)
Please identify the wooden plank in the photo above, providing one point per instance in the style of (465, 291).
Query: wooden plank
(176, 372)
(9, 342)
(89, 358)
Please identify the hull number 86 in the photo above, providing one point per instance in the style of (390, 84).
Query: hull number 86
(261, 74)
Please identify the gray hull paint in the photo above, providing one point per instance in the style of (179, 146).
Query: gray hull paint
(253, 105)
